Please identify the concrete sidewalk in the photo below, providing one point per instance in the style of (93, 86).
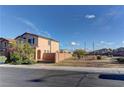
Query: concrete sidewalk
(69, 68)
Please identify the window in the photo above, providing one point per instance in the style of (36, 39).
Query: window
(49, 42)
(5, 44)
(33, 40)
(24, 38)
(38, 54)
(29, 41)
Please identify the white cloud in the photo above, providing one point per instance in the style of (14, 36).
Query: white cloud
(106, 43)
(87, 49)
(90, 16)
(31, 25)
(110, 43)
(102, 42)
(112, 13)
(122, 42)
(75, 43)
(28, 23)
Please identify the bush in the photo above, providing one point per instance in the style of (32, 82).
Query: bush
(99, 57)
(2, 59)
(23, 54)
(14, 58)
(18, 62)
(79, 53)
(120, 60)
(27, 61)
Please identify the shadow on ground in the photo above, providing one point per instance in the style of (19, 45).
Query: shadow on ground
(45, 78)
(45, 62)
(50, 76)
(112, 77)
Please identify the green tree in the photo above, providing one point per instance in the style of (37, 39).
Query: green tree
(22, 53)
(28, 51)
(79, 53)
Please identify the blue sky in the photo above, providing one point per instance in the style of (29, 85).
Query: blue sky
(71, 25)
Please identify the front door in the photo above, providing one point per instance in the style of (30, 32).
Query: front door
(38, 54)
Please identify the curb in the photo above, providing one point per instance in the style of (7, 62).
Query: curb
(65, 68)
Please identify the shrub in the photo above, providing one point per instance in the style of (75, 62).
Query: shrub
(27, 61)
(18, 62)
(2, 59)
(14, 58)
(120, 60)
(99, 57)
(23, 54)
(79, 53)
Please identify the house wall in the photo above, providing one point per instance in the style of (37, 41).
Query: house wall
(54, 47)
(42, 45)
(45, 47)
(24, 38)
(3, 47)
(56, 57)
(3, 44)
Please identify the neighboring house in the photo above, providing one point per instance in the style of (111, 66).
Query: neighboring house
(104, 51)
(4, 45)
(118, 51)
(40, 44)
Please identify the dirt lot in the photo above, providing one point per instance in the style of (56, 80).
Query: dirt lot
(107, 62)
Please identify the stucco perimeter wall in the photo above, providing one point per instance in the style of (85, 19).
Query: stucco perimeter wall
(49, 57)
(62, 56)
(56, 57)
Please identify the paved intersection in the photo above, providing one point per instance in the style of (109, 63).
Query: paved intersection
(25, 77)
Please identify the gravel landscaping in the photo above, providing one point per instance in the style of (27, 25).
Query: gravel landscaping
(108, 62)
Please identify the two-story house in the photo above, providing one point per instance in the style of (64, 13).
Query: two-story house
(40, 44)
(4, 45)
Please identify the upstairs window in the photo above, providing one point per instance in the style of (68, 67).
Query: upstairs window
(33, 40)
(24, 38)
(5, 44)
(29, 41)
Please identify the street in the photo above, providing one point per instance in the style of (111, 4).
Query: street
(25, 77)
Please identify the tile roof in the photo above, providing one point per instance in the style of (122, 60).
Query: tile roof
(7, 39)
(37, 36)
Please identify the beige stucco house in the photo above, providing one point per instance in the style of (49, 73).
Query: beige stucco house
(40, 44)
(46, 49)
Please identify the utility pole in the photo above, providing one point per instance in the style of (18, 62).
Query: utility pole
(93, 48)
(85, 45)
(84, 50)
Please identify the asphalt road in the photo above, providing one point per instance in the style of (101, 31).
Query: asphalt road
(23, 77)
